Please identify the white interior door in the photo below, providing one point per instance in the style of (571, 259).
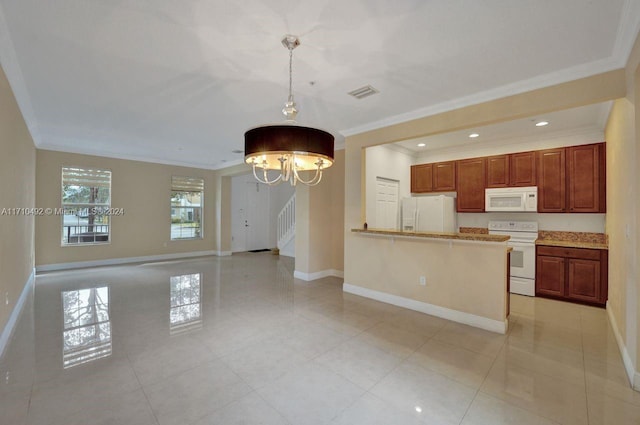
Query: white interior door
(238, 214)
(386, 203)
(257, 216)
(250, 214)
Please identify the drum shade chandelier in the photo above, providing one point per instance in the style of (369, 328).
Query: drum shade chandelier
(288, 147)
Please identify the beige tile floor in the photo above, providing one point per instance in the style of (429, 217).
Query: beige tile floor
(236, 340)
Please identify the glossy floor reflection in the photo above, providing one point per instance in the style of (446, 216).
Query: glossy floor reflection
(236, 340)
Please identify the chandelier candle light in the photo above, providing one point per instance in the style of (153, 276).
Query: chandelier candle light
(288, 147)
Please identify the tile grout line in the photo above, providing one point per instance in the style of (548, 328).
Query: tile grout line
(584, 369)
(146, 397)
(495, 359)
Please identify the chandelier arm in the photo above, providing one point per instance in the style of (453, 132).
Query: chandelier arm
(287, 163)
(266, 179)
(314, 181)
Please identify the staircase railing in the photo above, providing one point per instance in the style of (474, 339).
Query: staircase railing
(287, 222)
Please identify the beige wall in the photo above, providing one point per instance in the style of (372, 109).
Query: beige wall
(621, 208)
(320, 221)
(623, 221)
(142, 189)
(222, 187)
(17, 190)
(636, 277)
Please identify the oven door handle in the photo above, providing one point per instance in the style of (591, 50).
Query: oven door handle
(521, 244)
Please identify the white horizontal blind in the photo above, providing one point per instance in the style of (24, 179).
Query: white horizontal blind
(187, 184)
(74, 176)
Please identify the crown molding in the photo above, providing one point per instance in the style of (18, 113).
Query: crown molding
(628, 32)
(539, 82)
(125, 156)
(13, 72)
(399, 148)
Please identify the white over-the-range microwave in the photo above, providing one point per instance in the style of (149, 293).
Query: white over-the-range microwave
(522, 199)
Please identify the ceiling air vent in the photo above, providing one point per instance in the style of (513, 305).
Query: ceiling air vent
(363, 92)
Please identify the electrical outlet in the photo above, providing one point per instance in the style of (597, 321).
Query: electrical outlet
(423, 280)
(6, 298)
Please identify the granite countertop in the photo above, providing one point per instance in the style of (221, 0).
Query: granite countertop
(435, 235)
(573, 239)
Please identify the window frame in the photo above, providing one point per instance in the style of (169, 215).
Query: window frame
(77, 205)
(182, 184)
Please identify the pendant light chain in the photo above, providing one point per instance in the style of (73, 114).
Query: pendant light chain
(290, 74)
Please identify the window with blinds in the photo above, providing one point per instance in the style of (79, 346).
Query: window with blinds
(86, 202)
(186, 207)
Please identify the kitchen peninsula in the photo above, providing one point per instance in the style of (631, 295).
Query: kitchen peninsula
(458, 276)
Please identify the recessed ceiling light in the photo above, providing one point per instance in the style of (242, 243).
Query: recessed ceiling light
(418, 409)
(421, 145)
(474, 135)
(542, 123)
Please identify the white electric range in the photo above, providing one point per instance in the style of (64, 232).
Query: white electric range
(523, 257)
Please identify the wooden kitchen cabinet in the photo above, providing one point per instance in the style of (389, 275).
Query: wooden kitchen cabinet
(435, 177)
(498, 171)
(586, 180)
(470, 177)
(572, 179)
(572, 274)
(550, 273)
(513, 170)
(522, 169)
(584, 280)
(421, 178)
(444, 176)
(552, 180)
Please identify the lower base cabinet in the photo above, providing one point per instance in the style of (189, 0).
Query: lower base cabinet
(572, 274)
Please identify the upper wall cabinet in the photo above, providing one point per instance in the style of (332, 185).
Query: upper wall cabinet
(436, 177)
(551, 180)
(498, 171)
(587, 178)
(517, 169)
(471, 175)
(572, 179)
(444, 176)
(421, 178)
(522, 169)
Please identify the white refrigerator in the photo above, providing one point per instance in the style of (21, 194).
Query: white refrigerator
(429, 214)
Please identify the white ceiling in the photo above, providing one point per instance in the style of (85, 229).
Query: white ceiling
(180, 81)
(585, 119)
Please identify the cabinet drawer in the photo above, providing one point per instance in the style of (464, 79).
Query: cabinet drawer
(557, 251)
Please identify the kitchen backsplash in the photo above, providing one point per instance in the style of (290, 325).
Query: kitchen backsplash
(594, 223)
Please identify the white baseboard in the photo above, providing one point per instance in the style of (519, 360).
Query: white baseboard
(222, 253)
(432, 309)
(9, 327)
(632, 374)
(116, 261)
(318, 275)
